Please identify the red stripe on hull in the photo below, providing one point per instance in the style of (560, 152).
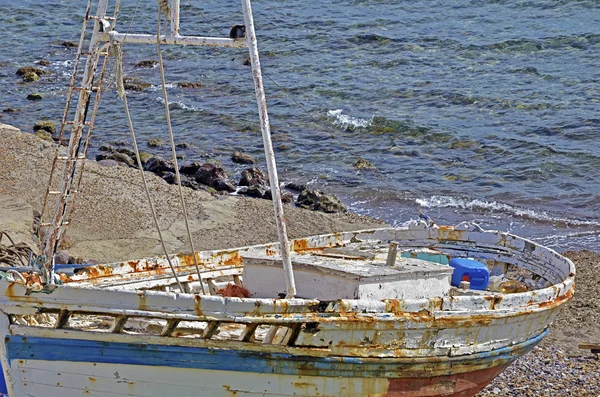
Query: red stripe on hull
(459, 385)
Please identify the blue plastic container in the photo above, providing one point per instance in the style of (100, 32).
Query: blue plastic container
(470, 270)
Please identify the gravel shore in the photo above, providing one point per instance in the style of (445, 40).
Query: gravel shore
(557, 367)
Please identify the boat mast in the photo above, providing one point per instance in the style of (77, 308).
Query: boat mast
(269, 153)
(173, 37)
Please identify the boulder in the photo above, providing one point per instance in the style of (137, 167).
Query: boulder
(169, 177)
(189, 84)
(295, 187)
(126, 151)
(31, 69)
(34, 97)
(242, 158)
(131, 84)
(110, 163)
(190, 168)
(184, 145)
(106, 148)
(362, 164)
(213, 176)
(253, 176)
(69, 44)
(116, 156)
(156, 142)
(45, 125)
(159, 166)
(318, 201)
(144, 157)
(30, 77)
(61, 257)
(148, 63)
(44, 62)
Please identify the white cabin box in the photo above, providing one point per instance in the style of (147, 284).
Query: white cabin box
(335, 277)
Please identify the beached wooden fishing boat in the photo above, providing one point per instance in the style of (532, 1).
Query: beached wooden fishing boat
(120, 333)
(365, 313)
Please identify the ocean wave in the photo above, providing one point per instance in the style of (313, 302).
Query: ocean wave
(346, 121)
(177, 105)
(494, 206)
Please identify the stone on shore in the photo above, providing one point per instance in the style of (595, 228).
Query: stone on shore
(45, 125)
(214, 176)
(252, 177)
(318, 201)
(242, 158)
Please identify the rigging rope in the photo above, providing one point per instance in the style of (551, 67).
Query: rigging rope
(162, 8)
(119, 70)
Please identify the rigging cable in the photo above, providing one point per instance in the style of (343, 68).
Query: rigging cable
(123, 95)
(162, 7)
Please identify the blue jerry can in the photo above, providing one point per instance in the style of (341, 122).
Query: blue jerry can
(470, 270)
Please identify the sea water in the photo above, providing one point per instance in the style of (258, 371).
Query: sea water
(469, 110)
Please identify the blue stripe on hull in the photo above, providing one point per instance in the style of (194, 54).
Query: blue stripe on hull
(78, 350)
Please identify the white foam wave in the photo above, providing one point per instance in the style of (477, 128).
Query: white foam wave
(177, 105)
(494, 206)
(347, 121)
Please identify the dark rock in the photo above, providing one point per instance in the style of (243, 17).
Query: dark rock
(189, 84)
(159, 166)
(45, 125)
(144, 157)
(69, 44)
(12, 110)
(44, 62)
(295, 187)
(190, 168)
(30, 77)
(116, 156)
(120, 143)
(213, 176)
(192, 184)
(181, 156)
(122, 158)
(156, 142)
(362, 163)
(169, 177)
(242, 158)
(224, 185)
(255, 191)
(131, 84)
(31, 69)
(286, 197)
(247, 62)
(253, 176)
(106, 148)
(61, 257)
(148, 63)
(34, 97)
(126, 151)
(318, 201)
(184, 145)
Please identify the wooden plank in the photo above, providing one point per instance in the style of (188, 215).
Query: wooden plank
(594, 347)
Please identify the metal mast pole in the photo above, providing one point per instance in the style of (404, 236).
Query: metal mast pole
(269, 154)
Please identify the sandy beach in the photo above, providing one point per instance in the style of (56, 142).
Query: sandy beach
(112, 222)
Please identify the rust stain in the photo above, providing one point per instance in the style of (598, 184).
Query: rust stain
(198, 305)
(93, 380)
(494, 300)
(10, 290)
(558, 301)
(269, 251)
(98, 271)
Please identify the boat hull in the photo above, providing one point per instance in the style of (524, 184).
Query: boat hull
(74, 367)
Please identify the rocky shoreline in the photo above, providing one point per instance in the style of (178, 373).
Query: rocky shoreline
(112, 223)
(112, 219)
